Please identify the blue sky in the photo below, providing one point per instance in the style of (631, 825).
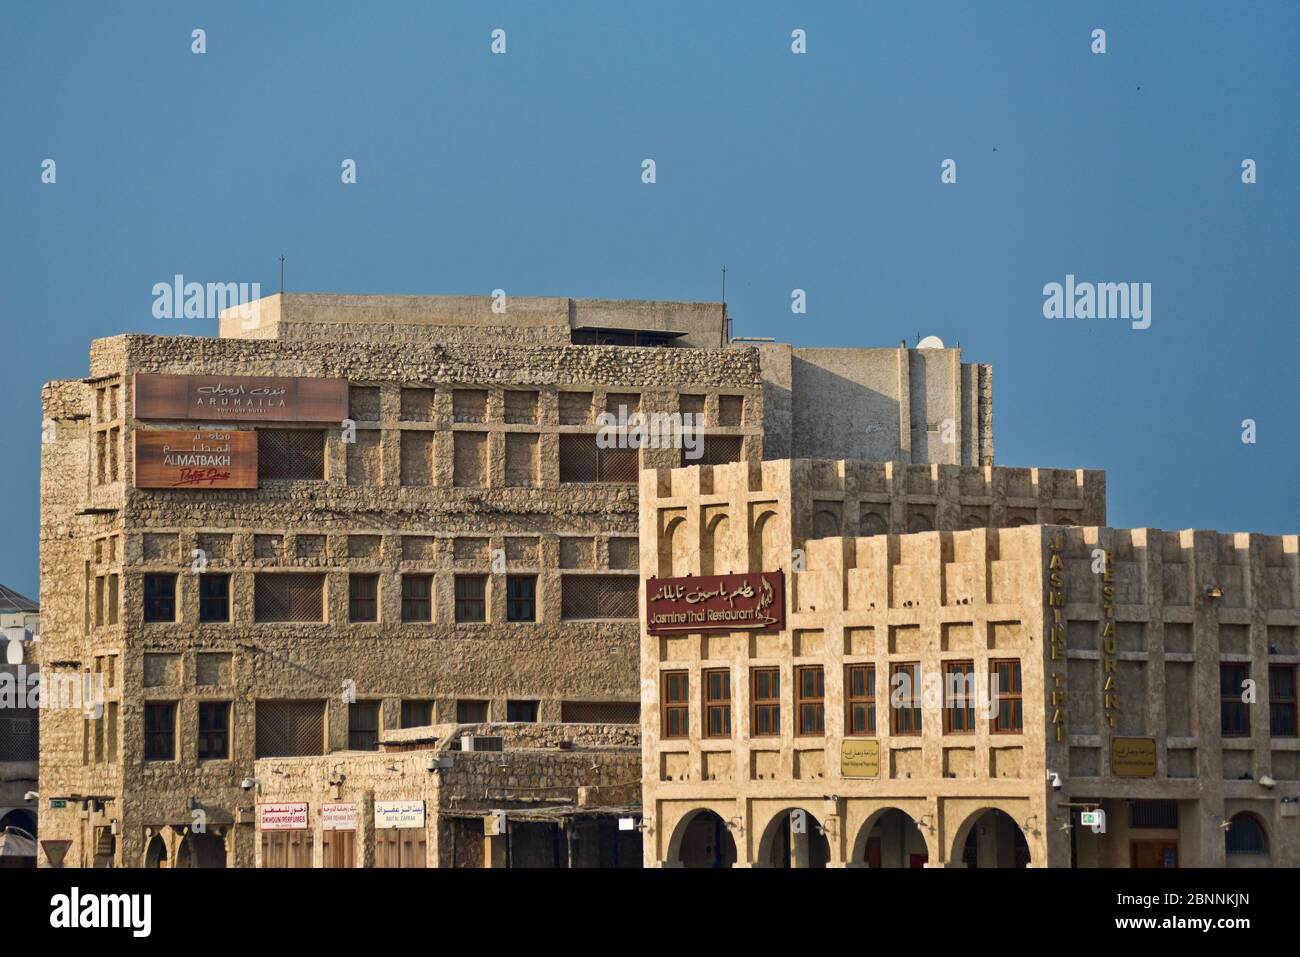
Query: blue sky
(818, 171)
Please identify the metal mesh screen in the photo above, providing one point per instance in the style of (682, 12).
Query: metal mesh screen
(598, 596)
(297, 454)
(18, 734)
(600, 712)
(288, 729)
(717, 450)
(581, 460)
(295, 597)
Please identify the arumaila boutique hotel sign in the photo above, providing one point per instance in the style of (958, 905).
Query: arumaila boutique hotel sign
(240, 398)
(716, 603)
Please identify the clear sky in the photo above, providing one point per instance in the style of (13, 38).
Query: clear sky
(818, 171)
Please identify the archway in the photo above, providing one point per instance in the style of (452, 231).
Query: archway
(891, 838)
(1245, 841)
(155, 854)
(990, 838)
(825, 524)
(794, 838)
(702, 839)
(201, 850)
(872, 523)
(20, 818)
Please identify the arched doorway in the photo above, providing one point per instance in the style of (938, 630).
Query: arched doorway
(703, 840)
(891, 838)
(794, 838)
(20, 818)
(991, 838)
(1245, 841)
(201, 850)
(155, 855)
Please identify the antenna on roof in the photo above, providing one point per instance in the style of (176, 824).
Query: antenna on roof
(281, 274)
(724, 285)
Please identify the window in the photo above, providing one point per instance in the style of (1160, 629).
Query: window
(676, 717)
(582, 460)
(214, 730)
(363, 597)
(291, 454)
(160, 731)
(959, 697)
(417, 714)
(289, 597)
(159, 597)
(717, 702)
(860, 699)
(1282, 701)
(521, 710)
(1153, 815)
(905, 699)
(471, 605)
(598, 596)
(1234, 714)
(521, 604)
(810, 700)
(715, 450)
(471, 712)
(363, 726)
(214, 598)
(417, 598)
(765, 696)
(1245, 835)
(1008, 716)
(287, 729)
(600, 712)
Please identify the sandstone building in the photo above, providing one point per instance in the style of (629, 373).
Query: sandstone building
(352, 515)
(1143, 674)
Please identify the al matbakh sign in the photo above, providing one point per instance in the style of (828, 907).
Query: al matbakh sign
(716, 603)
(195, 458)
(1133, 757)
(240, 398)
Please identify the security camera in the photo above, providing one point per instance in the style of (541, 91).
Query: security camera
(30, 796)
(1267, 781)
(248, 783)
(1055, 780)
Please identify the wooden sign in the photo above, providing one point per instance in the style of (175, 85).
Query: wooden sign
(195, 458)
(860, 758)
(240, 398)
(716, 603)
(1133, 757)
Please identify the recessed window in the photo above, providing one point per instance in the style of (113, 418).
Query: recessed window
(905, 716)
(214, 598)
(717, 702)
(1234, 713)
(471, 712)
(417, 714)
(1282, 701)
(160, 731)
(287, 729)
(471, 604)
(363, 597)
(291, 454)
(1008, 713)
(598, 596)
(159, 597)
(363, 726)
(214, 730)
(810, 700)
(958, 697)
(521, 597)
(676, 717)
(765, 698)
(582, 460)
(521, 710)
(417, 598)
(860, 700)
(288, 597)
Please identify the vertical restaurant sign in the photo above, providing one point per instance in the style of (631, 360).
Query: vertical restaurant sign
(716, 602)
(195, 458)
(399, 814)
(209, 398)
(282, 817)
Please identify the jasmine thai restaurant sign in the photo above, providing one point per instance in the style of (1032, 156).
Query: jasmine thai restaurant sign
(716, 603)
(240, 398)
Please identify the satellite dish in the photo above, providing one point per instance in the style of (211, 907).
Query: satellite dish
(930, 342)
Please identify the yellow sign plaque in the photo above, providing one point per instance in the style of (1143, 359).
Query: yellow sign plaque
(860, 758)
(1133, 757)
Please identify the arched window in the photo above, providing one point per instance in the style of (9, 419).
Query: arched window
(1245, 835)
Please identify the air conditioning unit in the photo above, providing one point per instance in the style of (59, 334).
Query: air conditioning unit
(482, 742)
